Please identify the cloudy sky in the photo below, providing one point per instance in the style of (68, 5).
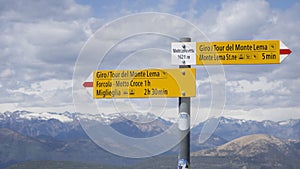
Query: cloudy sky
(40, 42)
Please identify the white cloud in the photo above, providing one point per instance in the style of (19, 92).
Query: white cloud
(166, 5)
(40, 41)
(30, 10)
(213, 78)
(259, 114)
(45, 86)
(39, 44)
(45, 93)
(265, 87)
(231, 19)
(283, 26)
(262, 85)
(241, 19)
(260, 93)
(6, 73)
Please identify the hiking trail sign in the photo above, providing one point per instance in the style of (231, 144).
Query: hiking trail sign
(229, 52)
(148, 83)
(181, 82)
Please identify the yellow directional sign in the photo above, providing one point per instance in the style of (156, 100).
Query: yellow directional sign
(149, 83)
(230, 52)
(238, 52)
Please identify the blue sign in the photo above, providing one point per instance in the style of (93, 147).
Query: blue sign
(183, 164)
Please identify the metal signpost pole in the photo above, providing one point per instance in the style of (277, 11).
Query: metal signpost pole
(184, 120)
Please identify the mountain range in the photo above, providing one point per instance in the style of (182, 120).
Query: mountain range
(27, 136)
(258, 151)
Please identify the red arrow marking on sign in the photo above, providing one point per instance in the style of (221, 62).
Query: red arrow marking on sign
(88, 84)
(285, 51)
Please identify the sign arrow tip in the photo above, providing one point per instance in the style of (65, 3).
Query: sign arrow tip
(284, 51)
(87, 84)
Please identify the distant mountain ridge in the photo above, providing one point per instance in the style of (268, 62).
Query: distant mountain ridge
(262, 150)
(230, 128)
(253, 151)
(62, 137)
(16, 148)
(249, 146)
(66, 125)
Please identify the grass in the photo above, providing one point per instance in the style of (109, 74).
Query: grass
(60, 165)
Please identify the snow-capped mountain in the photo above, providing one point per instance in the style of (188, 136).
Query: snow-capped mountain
(25, 115)
(230, 128)
(59, 136)
(54, 124)
(61, 133)
(66, 125)
(67, 117)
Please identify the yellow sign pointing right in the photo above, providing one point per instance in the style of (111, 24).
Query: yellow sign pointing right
(230, 52)
(238, 52)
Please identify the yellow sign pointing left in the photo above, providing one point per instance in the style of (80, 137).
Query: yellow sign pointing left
(148, 83)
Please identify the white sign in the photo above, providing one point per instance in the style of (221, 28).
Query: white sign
(184, 121)
(183, 53)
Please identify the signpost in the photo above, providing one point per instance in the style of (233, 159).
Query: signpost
(142, 83)
(186, 53)
(229, 53)
(181, 83)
